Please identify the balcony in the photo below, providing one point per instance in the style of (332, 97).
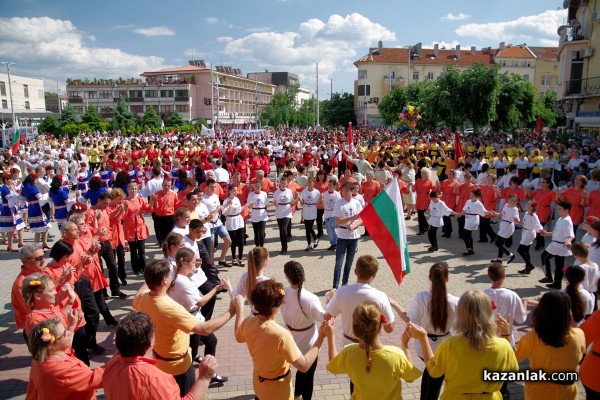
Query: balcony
(571, 34)
(75, 100)
(394, 81)
(182, 98)
(589, 87)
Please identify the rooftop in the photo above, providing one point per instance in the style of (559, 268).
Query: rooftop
(445, 56)
(510, 51)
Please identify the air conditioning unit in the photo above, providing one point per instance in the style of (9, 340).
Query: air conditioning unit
(596, 16)
(587, 52)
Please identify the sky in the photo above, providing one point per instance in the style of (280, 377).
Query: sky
(56, 40)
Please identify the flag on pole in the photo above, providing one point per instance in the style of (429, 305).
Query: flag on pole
(350, 135)
(16, 139)
(384, 220)
(170, 134)
(458, 150)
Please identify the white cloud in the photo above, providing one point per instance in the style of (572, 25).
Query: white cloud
(123, 26)
(533, 29)
(329, 43)
(258, 29)
(442, 44)
(458, 17)
(53, 46)
(211, 20)
(155, 31)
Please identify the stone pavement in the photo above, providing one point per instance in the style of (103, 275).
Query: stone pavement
(234, 360)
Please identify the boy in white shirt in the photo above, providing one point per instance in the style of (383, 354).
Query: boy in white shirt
(437, 211)
(509, 215)
(592, 273)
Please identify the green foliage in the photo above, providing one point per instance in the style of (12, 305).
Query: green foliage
(49, 125)
(337, 111)
(479, 92)
(68, 116)
(122, 117)
(175, 119)
(306, 113)
(392, 104)
(151, 118)
(446, 102)
(71, 130)
(92, 118)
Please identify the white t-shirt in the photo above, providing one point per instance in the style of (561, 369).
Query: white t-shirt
(345, 209)
(587, 299)
(509, 305)
(202, 212)
(592, 273)
(199, 277)
(259, 204)
(348, 297)
(437, 212)
(329, 201)
(563, 229)
(531, 225)
(187, 294)
(212, 203)
(311, 314)
(283, 200)
(419, 314)
(507, 223)
(232, 209)
(473, 210)
(310, 199)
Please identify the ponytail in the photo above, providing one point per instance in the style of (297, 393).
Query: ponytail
(366, 324)
(438, 307)
(256, 257)
(575, 275)
(295, 273)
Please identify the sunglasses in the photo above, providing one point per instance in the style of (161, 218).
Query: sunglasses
(37, 259)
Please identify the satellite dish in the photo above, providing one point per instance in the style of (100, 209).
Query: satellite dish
(561, 30)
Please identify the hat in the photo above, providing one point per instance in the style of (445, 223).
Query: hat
(332, 178)
(83, 164)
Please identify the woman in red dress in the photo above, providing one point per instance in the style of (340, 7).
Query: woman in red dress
(166, 154)
(242, 167)
(215, 152)
(255, 164)
(423, 186)
(544, 197)
(266, 161)
(577, 195)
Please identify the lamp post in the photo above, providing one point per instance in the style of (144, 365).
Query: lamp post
(12, 105)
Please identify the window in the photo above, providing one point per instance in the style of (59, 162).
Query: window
(135, 93)
(430, 76)
(105, 94)
(504, 63)
(166, 93)
(362, 92)
(181, 93)
(2, 89)
(137, 109)
(415, 76)
(74, 94)
(526, 76)
(151, 93)
(27, 107)
(362, 74)
(90, 95)
(167, 108)
(392, 74)
(26, 91)
(182, 108)
(78, 109)
(4, 104)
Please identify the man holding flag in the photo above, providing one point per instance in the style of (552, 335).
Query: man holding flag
(16, 138)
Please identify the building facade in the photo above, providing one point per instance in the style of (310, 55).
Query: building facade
(579, 77)
(27, 98)
(546, 69)
(221, 95)
(384, 69)
(55, 103)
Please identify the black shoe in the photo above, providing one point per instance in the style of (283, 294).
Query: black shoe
(198, 359)
(123, 282)
(510, 258)
(545, 280)
(553, 286)
(482, 241)
(97, 349)
(112, 322)
(432, 249)
(316, 243)
(283, 252)
(308, 248)
(525, 271)
(120, 295)
(468, 253)
(219, 379)
(332, 247)
(537, 248)
(420, 233)
(496, 260)
(224, 264)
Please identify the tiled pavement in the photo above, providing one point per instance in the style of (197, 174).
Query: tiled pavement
(233, 358)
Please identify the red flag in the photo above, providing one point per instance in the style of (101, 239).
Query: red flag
(350, 135)
(171, 133)
(538, 127)
(458, 150)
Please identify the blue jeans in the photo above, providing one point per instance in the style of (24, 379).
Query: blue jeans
(330, 223)
(344, 247)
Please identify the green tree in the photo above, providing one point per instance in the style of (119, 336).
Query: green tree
(278, 113)
(516, 100)
(337, 111)
(479, 94)
(151, 118)
(175, 119)
(306, 113)
(68, 116)
(445, 101)
(49, 125)
(392, 104)
(71, 130)
(122, 117)
(92, 118)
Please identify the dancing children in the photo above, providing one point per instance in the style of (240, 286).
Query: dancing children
(509, 216)
(531, 226)
(438, 210)
(471, 211)
(592, 273)
(560, 247)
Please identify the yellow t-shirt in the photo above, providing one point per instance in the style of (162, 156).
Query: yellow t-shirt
(551, 359)
(272, 349)
(537, 168)
(489, 151)
(93, 155)
(463, 366)
(388, 365)
(173, 324)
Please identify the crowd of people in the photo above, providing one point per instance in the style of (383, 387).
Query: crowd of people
(200, 192)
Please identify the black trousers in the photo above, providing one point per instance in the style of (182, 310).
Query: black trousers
(558, 270)
(237, 243)
(423, 225)
(467, 237)
(305, 382)
(523, 251)
(103, 307)
(320, 213)
(283, 224)
(310, 232)
(83, 288)
(589, 393)
(207, 309)
(430, 387)
(138, 255)
(164, 226)
(259, 233)
(540, 241)
(432, 234)
(209, 341)
(108, 255)
(186, 380)
(120, 255)
(447, 229)
(485, 230)
(461, 225)
(80, 345)
(500, 241)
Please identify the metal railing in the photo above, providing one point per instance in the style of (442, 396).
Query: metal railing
(583, 87)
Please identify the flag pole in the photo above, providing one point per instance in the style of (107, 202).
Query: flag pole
(12, 104)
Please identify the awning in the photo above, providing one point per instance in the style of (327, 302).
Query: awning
(590, 122)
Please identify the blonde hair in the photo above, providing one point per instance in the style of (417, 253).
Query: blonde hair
(33, 284)
(366, 324)
(117, 192)
(475, 319)
(38, 347)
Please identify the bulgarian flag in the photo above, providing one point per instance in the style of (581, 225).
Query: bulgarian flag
(16, 139)
(384, 220)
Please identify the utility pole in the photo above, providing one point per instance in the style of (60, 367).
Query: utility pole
(331, 90)
(12, 104)
(212, 98)
(318, 122)
(58, 96)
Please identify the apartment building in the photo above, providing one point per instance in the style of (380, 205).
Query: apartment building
(27, 97)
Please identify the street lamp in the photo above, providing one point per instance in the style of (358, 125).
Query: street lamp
(12, 105)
